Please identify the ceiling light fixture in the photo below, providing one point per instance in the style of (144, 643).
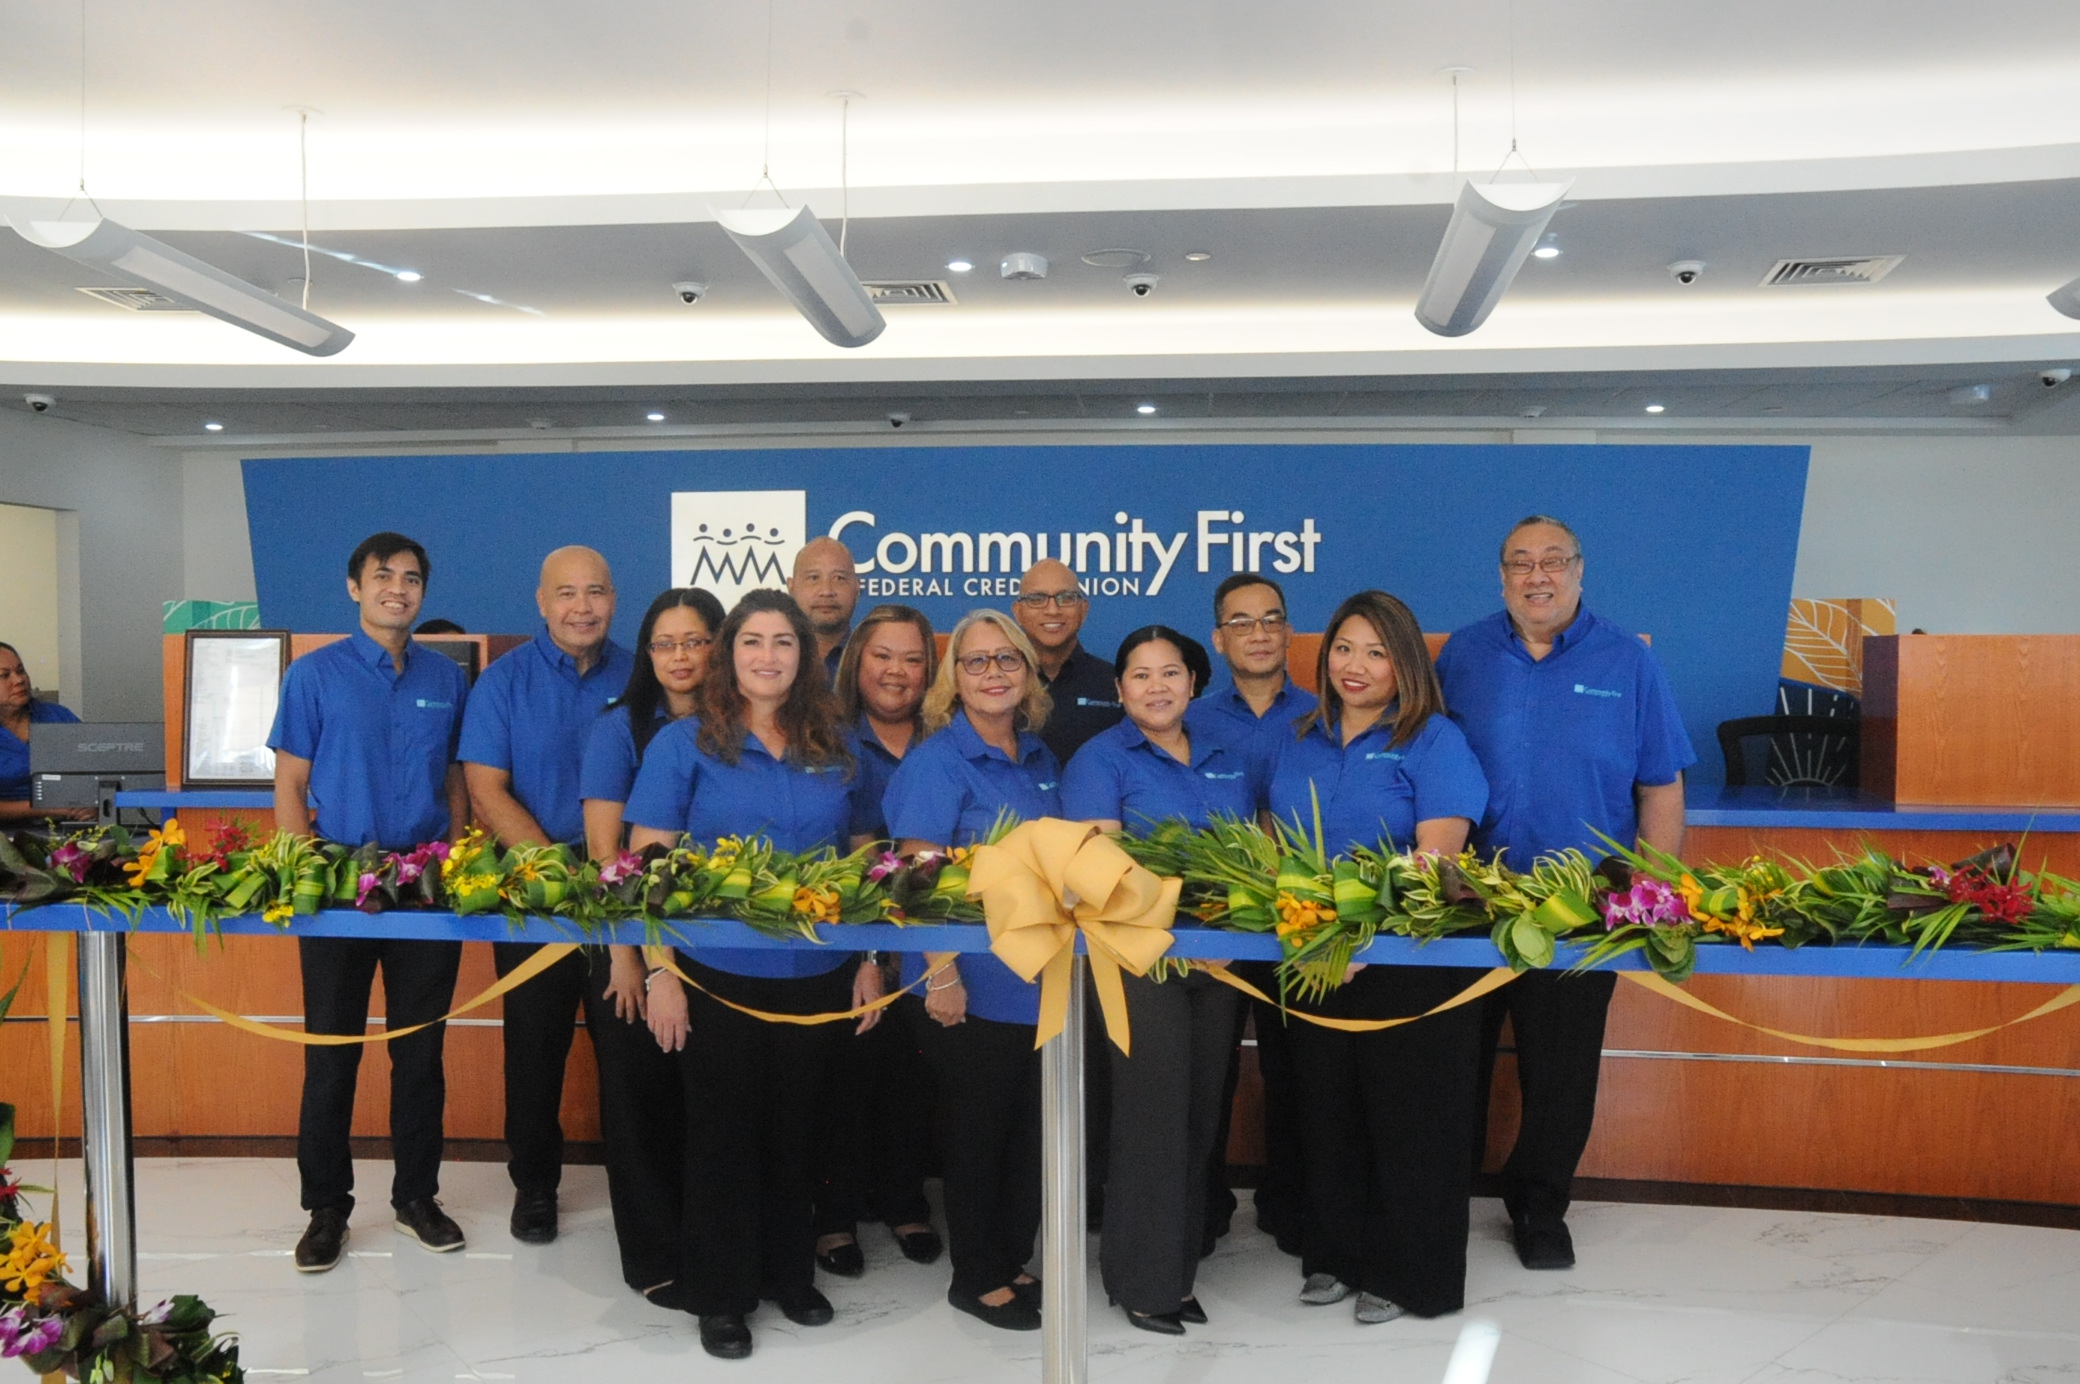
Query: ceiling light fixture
(1492, 231)
(791, 248)
(1198, 256)
(1144, 409)
(1657, 408)
(1023, 264)
(213, 426)
(410, 276)
(1546, 248)
(105, 245)
(654, 417)
(960, 266)
(2066, 299)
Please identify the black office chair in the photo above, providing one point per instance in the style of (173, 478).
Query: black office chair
(1792, 751)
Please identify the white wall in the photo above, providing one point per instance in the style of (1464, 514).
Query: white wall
(217, 551)
(29, 596)
(119, 553)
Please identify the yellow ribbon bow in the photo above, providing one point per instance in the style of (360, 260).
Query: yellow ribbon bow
(1047, 880)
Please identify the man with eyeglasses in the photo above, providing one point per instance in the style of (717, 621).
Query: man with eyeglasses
(1050, 608)
(825, 585)
(523, 739)
(1251, 633)
(1576, 728)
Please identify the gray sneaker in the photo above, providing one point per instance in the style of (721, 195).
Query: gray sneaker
(1321, 1289)
(1374, 1309)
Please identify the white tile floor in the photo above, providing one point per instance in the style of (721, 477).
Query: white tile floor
(1662, 1294)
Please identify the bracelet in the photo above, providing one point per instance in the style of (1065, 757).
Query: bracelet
(655, 972)
(947, 986)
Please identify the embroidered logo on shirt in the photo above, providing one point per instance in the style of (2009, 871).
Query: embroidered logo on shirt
(1208, 773)
(1093, 701)
(429, 704)
(1587, 691)
(1384, 754)
(1045, 787)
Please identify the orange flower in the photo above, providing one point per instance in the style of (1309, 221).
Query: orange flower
(817, 905)
(1299, 915)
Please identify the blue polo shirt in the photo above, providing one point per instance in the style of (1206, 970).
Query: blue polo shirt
(1371, 791)
(530, 713)
(608, 769)
(1225, 706)
(682, 787)
(379, 741)
(14, 751)
(949, 790)
(1121, 775)
(1564, 738)
(876, 767)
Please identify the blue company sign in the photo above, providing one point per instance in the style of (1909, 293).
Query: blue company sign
(1149, 530)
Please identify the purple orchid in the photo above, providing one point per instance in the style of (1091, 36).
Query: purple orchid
(21, 1334)
(363, 888)
(1648, 903)
(74, 861)
(885, 864)
(622, 868)
(409, 867)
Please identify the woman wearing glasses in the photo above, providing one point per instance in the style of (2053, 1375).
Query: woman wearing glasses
(1166, 1096)
(639, 1103)
(764, 754)
(1387, 1116)
(983, 760)
(880, 1106)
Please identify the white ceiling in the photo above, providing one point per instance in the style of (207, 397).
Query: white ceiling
(563, 158)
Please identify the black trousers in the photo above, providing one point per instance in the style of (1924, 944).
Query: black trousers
(1281, 1196)
(1558, 1018)
(642, 1122)
(751, 1091)
(1387, 1117)
(418, 986)
(876, 1128)
(1166, 1111)
(540, 1018)
(988, 1122)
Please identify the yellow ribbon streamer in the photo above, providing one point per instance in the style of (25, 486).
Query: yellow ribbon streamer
(1494, 980)
(1049, 879)
(1653, 984)
(806, 1020)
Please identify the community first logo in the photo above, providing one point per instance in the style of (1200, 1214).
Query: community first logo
(732, 541)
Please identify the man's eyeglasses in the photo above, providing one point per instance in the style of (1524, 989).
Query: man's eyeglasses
(975, 665)
(1243, 624)
(693, 644)
(1551, 566)
(1039, 600)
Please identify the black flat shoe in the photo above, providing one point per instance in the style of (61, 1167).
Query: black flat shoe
(1015, 1315)
(1543, 1243)
(1028, 1291)
(845, 1261)
(803, 1306)
(921, 1246)
(725, 1337)
(1191, 1313)
(1162, 1323)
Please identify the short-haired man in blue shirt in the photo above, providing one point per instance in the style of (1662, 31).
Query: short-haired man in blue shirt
(825, 584)
(364, 744)
(522, 745)
(1573, 721)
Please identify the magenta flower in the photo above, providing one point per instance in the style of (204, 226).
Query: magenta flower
(1648, 903)
(623, 867)
(363, 888)
(21, 1334)
(885, 864)
(73, 861)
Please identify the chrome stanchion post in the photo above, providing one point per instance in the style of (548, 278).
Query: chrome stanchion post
(104, 1063)
(1062, 1251)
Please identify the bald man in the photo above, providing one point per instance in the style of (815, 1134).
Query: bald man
(1050, 608)
(522, 738)
(826, 586)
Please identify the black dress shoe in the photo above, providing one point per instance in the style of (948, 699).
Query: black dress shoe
(1191, 1313)
(725, 1336)
(1015, 1315)
(921, 1246)
(1543, 1242)
(803, 1305)
(425, 1222)
(323, 1242)
(1028, 1291)
(534, 1217)
(845, 1261)
(1162, 1323)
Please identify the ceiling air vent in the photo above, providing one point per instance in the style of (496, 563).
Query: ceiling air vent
(897, 292)
(1837, 269)
(136, 299)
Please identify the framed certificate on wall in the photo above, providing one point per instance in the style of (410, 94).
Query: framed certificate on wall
(234, 685)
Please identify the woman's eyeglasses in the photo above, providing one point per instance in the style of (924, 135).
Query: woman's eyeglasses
(693, 644)
(1006, 660)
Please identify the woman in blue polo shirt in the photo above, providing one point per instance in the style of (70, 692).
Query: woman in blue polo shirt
(984, 758)
(764, 754)
(640, 1110)
(1166, 1097)
(19, 710)
(1386, 1116)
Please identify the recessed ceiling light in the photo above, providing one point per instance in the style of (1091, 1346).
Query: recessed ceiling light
(654, 417)
(1144, 408)
(1115, 259)
(409, 276)
(960, 266)
(1656, 408)
(213, 426)
(1546, 252)
(1198, 256)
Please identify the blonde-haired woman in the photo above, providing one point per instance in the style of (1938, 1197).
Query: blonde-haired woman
(983, 758)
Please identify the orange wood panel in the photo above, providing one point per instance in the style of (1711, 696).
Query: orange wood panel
(1973, 719)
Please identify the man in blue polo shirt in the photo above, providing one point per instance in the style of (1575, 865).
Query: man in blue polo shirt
(522, 743)
(825, 584)
(1251, 633)
(1574, 724)
(364, 744)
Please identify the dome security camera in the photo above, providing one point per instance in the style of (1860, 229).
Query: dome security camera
(2052, 379)
(1141, 285)
(690, 291)
(1686, 272)
(896, 420)
(41, 403)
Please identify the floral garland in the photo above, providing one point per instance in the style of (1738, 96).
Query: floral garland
(1323, 908)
